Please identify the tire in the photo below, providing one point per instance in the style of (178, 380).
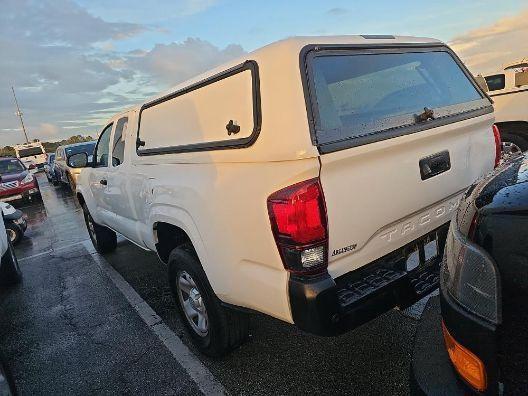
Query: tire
(71, 183)
(225, 329)
(10, 273)
(103, 238)
(14, 233)
(518, 141)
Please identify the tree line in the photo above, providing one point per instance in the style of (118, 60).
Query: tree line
(49, 147)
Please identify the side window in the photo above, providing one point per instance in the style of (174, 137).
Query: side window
(220, 112)
(118, 146)
(496, 82)
(102, 148)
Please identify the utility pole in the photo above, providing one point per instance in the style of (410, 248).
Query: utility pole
(19, 114)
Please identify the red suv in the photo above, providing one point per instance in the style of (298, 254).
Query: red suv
(16, 182)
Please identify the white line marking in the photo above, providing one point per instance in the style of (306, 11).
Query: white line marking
(53, 250)
(207, 383)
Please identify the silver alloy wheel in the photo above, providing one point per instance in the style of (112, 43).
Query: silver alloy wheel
(91, 227)
(510, 149)
(11, 234)
(192, 303)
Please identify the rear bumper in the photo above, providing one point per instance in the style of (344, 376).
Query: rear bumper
(432, 371)
(324, 306)
(22, 192)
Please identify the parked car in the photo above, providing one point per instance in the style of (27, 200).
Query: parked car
(49, 168)
(64, 173)
(317, 192)
(484, 294)
(509, 91)
(9, 270)
(16, 182)
(14, 221)
(32, 155)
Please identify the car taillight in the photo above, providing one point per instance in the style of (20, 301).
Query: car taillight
(498, 144)
(298, 220)
(466, 363)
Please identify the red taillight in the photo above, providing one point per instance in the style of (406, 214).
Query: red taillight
(298, 220)
(498, 144)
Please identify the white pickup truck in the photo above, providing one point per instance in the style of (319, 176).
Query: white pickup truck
(311, 180)
(509, 91)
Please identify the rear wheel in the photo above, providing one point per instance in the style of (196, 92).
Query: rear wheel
(513, 144)
(103, 238)
(214, 329)
(10, 273)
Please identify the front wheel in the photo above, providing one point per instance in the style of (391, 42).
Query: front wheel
(103, 238)
(10, 273)
(14, 233)
(214, 329)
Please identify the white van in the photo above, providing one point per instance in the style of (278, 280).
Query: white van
(32, 155)
(311, 180)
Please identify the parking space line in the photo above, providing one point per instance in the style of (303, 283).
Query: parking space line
(53, 250)
(203, 378)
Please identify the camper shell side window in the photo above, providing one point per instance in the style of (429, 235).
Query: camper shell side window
(220, 112)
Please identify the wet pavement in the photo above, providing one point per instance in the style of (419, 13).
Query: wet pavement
(68, 329)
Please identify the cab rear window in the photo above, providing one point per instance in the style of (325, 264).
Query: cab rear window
(357, 94)
(27, 152)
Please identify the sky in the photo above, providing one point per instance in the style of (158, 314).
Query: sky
(75, 63)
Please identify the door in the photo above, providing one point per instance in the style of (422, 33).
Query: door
(98, 177)
(116, 192)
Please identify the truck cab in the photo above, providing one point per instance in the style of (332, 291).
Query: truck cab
(509, 91)
(33, 155)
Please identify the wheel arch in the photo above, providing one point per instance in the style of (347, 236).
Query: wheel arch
(514, 127)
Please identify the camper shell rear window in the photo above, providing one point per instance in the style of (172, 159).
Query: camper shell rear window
(358, 96)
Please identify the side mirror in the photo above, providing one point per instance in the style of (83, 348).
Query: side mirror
(79, 160)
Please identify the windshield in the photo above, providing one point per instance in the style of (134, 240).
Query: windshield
(362, 94)
(87, 148)
(28, 152)
(11, 165)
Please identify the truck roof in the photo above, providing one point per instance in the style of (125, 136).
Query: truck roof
(293, 46)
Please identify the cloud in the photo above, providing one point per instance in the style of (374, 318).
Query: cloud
(51, 54)
(487, 49)
(337, 11)
(176, 62)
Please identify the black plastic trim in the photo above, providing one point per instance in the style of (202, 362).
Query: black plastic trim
(311, 109)
(250, 65)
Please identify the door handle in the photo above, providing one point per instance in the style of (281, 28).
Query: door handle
(434, 165)
(104, 182)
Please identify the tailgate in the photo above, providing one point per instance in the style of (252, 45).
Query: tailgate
(401, 132)
(376, 198)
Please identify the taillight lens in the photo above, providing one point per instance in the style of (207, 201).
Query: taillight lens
(298, 221)
(498, 144)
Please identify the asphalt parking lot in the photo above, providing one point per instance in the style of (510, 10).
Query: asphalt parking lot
(79, 324)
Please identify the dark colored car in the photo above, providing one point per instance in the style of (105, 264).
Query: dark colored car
(479, 344)
(16, 182)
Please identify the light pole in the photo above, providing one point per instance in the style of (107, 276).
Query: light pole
(19, 114)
